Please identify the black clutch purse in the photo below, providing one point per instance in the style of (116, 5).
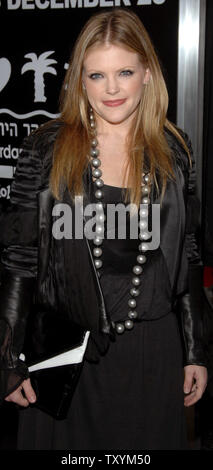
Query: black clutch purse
(53, 350)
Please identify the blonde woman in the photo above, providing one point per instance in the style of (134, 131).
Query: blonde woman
(112, 144)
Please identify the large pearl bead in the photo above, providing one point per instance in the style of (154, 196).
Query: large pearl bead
(145, 190)
(96, 162)
(141, 259)
(98, 194)
(142, 224)
(132, 314)
(143, 212)
(145, 200)
(98, 263)
(119, 327)
(97, 241)
(94, 142)
(143, 247)
(146, 178)
(136, 281)
(97, 252)
(99, 229)
(132, 303)
(128, 324)
(134, 292)
(97, 173)
(137, 270)
(144, 236)
(99, 183)
(100, 217)
(99, 206)
(94, 152)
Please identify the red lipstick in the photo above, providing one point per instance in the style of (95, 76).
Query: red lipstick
(112, 103)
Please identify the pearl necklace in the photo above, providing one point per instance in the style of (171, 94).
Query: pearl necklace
(128, 324)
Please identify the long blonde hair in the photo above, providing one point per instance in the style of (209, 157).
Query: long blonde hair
(146, 136)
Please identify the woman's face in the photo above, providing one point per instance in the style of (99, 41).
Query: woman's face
(113, 78)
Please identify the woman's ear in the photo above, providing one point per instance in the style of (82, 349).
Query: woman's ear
(147, 76)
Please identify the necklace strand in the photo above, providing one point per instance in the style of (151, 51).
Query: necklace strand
(134, 292)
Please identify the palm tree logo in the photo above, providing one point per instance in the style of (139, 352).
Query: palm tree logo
(39, 65)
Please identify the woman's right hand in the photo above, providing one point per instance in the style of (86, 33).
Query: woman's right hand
(17, 396)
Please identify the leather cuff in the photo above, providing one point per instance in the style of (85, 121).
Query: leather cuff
(191, 311)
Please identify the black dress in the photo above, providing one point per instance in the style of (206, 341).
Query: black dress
(133, 398)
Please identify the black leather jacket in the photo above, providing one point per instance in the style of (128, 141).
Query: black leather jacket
(60, 275)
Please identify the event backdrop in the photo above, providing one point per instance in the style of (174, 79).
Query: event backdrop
(36, 38)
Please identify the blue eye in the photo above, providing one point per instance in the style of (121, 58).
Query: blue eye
(95, 76)
(127, 73)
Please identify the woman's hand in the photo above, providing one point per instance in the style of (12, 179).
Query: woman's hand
(194, 383)
(17, 396)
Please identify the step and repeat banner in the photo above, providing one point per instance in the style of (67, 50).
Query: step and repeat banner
(36, 39)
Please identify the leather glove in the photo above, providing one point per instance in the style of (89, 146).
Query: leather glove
(191, 308)
(15, 294)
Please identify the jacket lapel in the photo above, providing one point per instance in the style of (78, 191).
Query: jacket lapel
(172, 223)
(82, 280)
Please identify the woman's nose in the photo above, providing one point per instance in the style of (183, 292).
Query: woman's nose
(112, 85)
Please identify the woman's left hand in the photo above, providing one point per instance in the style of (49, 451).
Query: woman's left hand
(195, 382)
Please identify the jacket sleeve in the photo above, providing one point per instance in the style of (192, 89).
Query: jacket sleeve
(18, 265)
(191, 303)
